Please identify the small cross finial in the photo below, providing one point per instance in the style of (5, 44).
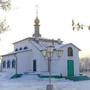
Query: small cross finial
(37, 10)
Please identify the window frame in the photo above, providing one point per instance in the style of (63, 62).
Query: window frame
(25, 47)
(16, 49)
(13, 63)
(4, 64)
(8, 64)
(70, 51)
(20, 48)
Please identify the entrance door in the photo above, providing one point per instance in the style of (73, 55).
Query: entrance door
(70, 68)
(34, 65)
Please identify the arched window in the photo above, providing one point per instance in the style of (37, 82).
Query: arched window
(4, 64)
(13, 63)
(20, 48)
(70, 51)
(16, 49)
(25, 47)
(8, 64)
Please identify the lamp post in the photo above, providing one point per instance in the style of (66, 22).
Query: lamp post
(49, 55)
(48, 52)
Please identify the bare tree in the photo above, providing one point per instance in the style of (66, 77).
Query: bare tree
(85, 64)
(78, 26)
(5, 4)
(3, 26)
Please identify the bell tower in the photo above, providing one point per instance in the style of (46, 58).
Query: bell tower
(36, 25)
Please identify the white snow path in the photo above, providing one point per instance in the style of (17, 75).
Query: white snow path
(32, 82)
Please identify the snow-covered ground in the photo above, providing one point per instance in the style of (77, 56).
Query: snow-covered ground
(32, 82)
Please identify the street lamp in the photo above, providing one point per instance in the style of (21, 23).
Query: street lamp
(48, 52)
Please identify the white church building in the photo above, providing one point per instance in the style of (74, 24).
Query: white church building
(28, 56)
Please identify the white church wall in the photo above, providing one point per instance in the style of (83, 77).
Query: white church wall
(76, 62)
(75, 57)
(37, 55)
(24, 61)
(59, 64)
(22, 44)
(10, 58)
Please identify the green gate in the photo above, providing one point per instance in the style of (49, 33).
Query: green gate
(70, 68)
